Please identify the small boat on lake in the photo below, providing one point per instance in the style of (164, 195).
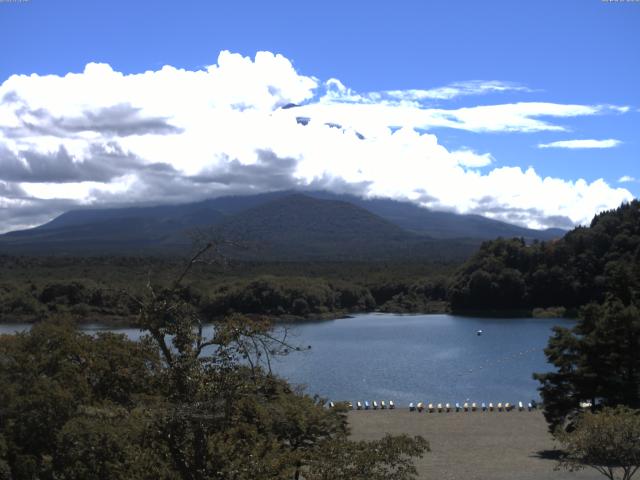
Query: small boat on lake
(484, 407)
(448, 407)
(366, 405)
(457, 407)
(490, 406)
(520, 406)
(359, 405)
(391, 405)
(508, 407)
(332, 405)
(499, 406)
(383, 405)
(466, 407)
(529, 406)
(479, 332)
(473, 407)
(431, 408)
(375, 405)
(439, 408)
(411, 407)
(420, 406)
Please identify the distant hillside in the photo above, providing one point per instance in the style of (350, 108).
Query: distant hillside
(280, 225)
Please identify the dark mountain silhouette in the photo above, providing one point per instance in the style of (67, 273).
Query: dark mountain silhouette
(279, 225)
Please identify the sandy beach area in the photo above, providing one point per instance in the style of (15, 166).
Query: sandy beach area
(473, 445)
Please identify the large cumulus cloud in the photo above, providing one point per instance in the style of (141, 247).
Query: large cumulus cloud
(101, 137)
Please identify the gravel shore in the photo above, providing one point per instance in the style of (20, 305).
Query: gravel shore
(473, 445)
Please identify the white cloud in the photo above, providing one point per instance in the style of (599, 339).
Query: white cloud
(511, 117)
(469, 158)
(626, 179)
(101, 137)
(458, 89)
(585, 143)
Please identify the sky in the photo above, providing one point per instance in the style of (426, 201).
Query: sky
(527, 112)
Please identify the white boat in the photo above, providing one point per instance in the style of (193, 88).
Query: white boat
(420, 406)
(391, 405)
(382, 404)
(448, 407)
(479, 332)
(473, 407)
(499, 406)
(359, 405)
(457, 407)
(411, 407)
(366, 405)
(375, 405)
(529, 406)
(484, 407)
(466, 406)
(520, 406)
(439, 407)
(490, 406)
(331, 404)
(507, 407)
(431, 408)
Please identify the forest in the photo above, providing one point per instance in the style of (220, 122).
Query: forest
(505, 276)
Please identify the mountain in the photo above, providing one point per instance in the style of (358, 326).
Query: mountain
(300, 227)
(442, 224)
(282, 225)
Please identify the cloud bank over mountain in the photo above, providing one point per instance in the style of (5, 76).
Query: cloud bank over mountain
(242, 125)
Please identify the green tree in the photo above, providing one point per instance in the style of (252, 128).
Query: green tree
(597, 362)
(608, 441)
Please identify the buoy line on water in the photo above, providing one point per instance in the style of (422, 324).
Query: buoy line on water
(489, 363)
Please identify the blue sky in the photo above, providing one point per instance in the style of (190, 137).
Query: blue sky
(570, 52)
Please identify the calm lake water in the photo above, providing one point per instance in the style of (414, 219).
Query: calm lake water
(411, 358)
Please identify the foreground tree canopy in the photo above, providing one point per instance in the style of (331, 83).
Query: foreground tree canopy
(608, 441)
(178, 404)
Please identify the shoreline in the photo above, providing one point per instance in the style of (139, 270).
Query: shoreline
(128, 322)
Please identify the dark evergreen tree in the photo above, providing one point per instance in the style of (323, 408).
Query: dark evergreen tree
(597, 362)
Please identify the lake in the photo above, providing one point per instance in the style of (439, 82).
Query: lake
(411, 358)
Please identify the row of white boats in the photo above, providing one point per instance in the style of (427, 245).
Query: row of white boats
(368, 406)
(442, 407)
(470, 407)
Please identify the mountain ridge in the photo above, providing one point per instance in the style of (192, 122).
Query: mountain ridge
(315, 225)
